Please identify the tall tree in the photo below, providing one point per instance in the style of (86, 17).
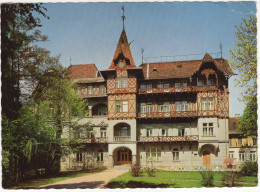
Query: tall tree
(244, 57)
(247, 124)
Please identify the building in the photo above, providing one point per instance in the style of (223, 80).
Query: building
(173, 115)
(241, 148)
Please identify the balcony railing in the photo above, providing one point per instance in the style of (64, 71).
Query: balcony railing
(93, 140)
(168, 114)
(177, 89)
(168, 138)
(122, 138)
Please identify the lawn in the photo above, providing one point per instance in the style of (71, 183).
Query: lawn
(35, 183)
(164, 179)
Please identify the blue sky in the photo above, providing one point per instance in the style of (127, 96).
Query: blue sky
(89, 32)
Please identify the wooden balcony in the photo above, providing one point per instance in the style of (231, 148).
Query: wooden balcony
(170, 114)
(122, 138)
(177, 89)
(93, 140)
(168, 138)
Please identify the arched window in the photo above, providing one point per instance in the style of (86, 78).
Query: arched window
(100, 155)
(175, 154)
(99, 110)
(153, 154)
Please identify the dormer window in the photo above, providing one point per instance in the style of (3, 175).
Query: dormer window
(210, 82)
(155, 70)
(179, 66)
(201, 83)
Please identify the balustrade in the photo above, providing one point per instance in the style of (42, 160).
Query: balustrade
(168, 138)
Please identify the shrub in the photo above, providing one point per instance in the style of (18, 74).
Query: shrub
(207, 178)
(230, 178)
(135, 170)
(150, 171)
(249, 168)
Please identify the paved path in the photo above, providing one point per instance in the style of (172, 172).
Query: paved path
(95, 180)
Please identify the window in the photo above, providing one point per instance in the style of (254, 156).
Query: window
(77, 134)
(160, 107)
(231, 154)
(90, 90)
(149, 107)
(254, 141)
(166, 106)
(208, 129)
(102, 89)
(201, 83)
(143, 86)
(160, 85)
(143, 107)
(149, 131)
(153, 154)
(181, 84)
(184, 106)
(165, 131)
(100, 155)
(181, 131)
(210, 82)
(149, 86)
(79, 91)
(177, 106)
(177, 84)
(89, 133)
(166, 85)
(79, 157)
(230, 142)
(239, 141)
(211, 105)
(204, 104)
(124, 82)
(252, 156)
(103, 132)
(175, 154)
(118, 82)
(118, 106)
(241, 156)
(125, 106)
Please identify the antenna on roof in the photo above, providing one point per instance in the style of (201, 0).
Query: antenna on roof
(220, 46)
(123, 17)
(131, 42)
(142, 51)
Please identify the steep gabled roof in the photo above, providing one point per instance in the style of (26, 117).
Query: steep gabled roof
(123, 48)
(82, 71)
(183, 69)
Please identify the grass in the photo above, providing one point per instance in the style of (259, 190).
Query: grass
(35, 183)
(164, 179)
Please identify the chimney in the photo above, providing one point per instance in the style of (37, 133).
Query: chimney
(237, 116)
(147, 70)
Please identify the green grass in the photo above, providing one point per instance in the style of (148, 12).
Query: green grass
(164, 179)
(35, 183)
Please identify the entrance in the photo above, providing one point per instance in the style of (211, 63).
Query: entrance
(124, 157)
(206, 159)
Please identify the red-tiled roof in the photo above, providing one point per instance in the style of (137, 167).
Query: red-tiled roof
(232, 123)
(182, 69)
(124, 48)
(82, 71)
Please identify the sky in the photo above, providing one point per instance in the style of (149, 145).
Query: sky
(84, 33)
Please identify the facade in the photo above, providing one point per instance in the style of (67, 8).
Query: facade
(172, 115)
(241, 148)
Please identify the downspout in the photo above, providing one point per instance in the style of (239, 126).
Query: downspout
(147, 70)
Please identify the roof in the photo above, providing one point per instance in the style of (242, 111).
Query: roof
(123, 48)
(232, 123)
(82, 71)
(182, 69)
(90, 80)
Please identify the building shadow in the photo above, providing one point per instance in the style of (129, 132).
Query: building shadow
(135, 184)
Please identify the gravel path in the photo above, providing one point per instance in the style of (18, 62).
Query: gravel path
(91, 181)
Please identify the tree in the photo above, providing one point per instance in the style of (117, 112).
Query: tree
(244, 57)
(247, 124)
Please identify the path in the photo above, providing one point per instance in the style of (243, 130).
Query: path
(91, 181)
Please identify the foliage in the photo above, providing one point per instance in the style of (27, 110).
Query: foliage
(244, 56)
(207, 178)
(247, 124)
(249, 168)
(231, 178)
(150, 171)
(135, 170)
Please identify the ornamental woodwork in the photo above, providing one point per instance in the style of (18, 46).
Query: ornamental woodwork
(168, 138)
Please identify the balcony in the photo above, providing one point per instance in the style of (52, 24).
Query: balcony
(177, 89)
(167, 138)
(83, 140)
(122, 138)
(171, 114)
